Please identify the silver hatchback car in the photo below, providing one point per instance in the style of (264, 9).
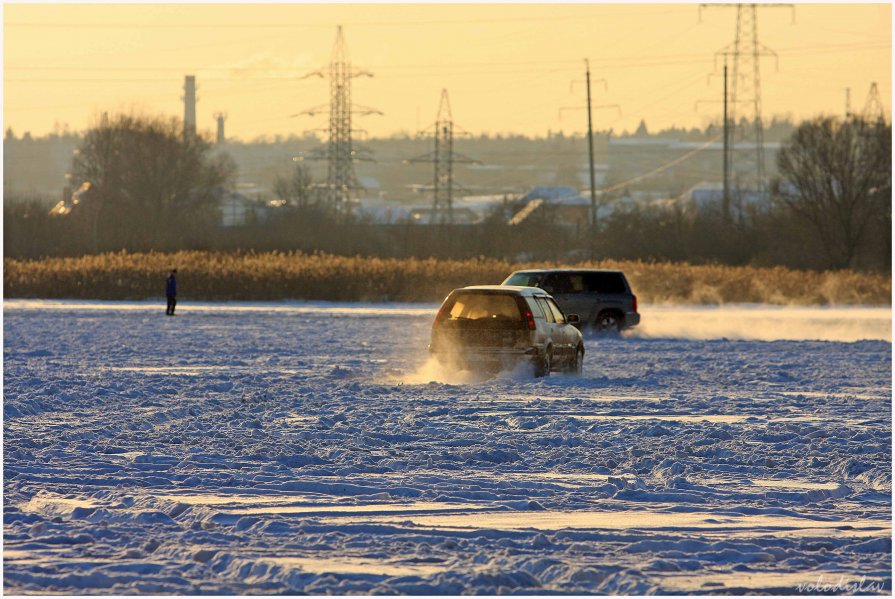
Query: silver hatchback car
(496, 327)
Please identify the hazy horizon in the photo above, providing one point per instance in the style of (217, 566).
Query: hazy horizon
(509, 69)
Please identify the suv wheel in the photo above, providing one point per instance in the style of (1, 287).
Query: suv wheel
(545, 364)
(608, 322)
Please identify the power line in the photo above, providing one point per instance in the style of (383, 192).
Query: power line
(322, 25)
(286, 78)
(660, 168)
(524, 63)
(617, 62)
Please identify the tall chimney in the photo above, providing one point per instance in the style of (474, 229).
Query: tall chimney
(189, 106)
(221, 117)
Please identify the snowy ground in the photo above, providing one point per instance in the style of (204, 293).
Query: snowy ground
(300, 448)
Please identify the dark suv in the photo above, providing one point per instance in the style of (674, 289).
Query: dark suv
(602, 298)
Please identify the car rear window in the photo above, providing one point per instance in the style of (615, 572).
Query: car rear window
(605, 282)
(484, 306)
(557, 313)
(524, 279)
(548, 313)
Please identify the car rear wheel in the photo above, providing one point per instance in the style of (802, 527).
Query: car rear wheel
(545, 364)
(608, 322)
(577, 366)
(576, 363)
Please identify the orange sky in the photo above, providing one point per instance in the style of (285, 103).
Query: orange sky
(507, 67)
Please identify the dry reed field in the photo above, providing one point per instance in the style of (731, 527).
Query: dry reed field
(282, 276)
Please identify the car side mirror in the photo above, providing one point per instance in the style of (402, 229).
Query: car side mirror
(572, 319)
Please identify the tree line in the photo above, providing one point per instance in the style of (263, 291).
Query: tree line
(147, 187)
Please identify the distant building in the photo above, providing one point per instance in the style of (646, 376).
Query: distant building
(484, 205)
(467, 210)
(369, 184)
(565, 204)
(706, 195)
(381, 212)
(601, 171)
(425, 216)
(238, 210)
(71, 202)
(548, 193)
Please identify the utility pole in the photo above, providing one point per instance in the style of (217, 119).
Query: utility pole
(340, 153)
(590, 147)
(590, 154)
(726, 167)
(727, 148)
(444, 158)
(847, 102)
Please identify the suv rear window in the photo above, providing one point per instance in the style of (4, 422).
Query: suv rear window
(484, 306)
(524, 279)
(605, 282)
(584, 282)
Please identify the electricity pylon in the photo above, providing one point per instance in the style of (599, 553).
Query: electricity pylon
(340, 153)
(444, 158)
(746, 127)
(873, 107)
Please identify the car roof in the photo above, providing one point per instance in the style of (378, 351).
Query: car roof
(565, 270)
(507, 289)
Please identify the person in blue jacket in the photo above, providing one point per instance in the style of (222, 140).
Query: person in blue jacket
(171, 292)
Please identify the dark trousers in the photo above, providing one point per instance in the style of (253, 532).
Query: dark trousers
(172, 301)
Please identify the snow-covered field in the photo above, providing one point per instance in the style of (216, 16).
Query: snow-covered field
(269, 448)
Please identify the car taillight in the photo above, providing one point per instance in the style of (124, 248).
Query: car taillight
(530, 318)
(442, 314)
(635, 303)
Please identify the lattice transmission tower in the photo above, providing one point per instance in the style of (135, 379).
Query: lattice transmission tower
(746, 166)
(340, 153)
(873, 107)
(444, 158)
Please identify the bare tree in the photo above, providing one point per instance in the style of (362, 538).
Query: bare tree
(837, 175)
(297, 189)
(150, 185)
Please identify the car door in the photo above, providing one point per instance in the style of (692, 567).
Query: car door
(554, 330)
(575, 299)
(559, 285)
(562, 338)
(609, 289)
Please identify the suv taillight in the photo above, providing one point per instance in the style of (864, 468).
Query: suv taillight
(442, 314)
(635, 302)
(531, 319)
